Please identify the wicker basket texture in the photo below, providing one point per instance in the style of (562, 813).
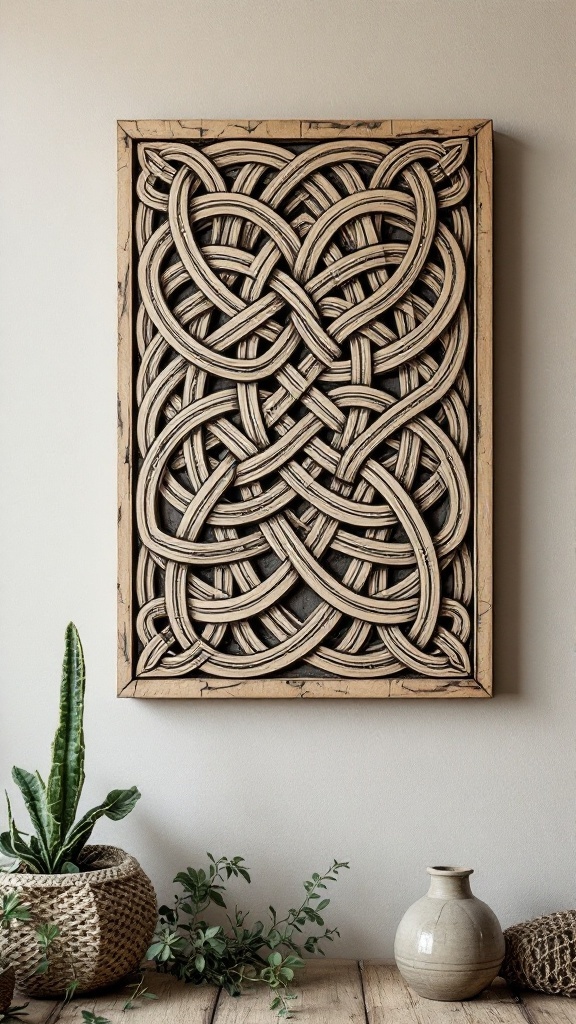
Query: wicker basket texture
(541, 954)
(7, 981)
(106, 916)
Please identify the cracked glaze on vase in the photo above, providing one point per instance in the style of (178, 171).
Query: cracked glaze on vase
(449, 945)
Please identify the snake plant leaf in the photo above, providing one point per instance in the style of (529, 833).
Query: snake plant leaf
(66, 777)
(12, 845)
(117, 804)
(34, 795)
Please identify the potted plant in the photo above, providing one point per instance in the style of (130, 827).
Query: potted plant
(91, 909)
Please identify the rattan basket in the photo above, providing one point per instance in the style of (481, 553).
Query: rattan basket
(7, 981)
(106, 916)
(541, 954)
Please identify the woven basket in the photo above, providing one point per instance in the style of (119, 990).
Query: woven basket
(541, 954)
(7, 981)
(106, 916)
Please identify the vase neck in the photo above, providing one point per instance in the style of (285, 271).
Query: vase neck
(450, 883)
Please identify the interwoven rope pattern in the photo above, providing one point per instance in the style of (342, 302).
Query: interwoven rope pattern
(106, 918)
(303, 501)
(7, 980)
(541, 954)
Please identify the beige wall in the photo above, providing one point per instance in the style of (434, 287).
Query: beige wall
(391, 786)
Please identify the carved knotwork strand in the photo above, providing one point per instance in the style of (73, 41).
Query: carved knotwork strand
(303, 503)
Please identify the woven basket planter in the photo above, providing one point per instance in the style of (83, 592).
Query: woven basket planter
(7, 981)
(541, 954)
(106, 916)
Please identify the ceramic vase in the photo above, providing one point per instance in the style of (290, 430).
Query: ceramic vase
(449, 945)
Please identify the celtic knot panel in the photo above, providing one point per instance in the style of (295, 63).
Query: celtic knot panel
(304, 387)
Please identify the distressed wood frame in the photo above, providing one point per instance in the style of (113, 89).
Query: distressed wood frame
(479, 684)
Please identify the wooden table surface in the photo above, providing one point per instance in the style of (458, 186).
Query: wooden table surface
(329, 992)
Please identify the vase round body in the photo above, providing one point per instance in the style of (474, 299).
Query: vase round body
(105, 917)
(449, 945)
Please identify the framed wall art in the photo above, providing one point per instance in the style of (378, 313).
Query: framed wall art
(305, 501)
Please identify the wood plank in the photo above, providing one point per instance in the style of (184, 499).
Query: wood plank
(38, 1011)
(305, 688)
(365, 129)
(206, 128)
(329, 992)
(124, 410)
(177, 1003)
(162, 129)
(541, 1009)
(437, 129)
(483, 410)
(211, 129)
(389, 1001)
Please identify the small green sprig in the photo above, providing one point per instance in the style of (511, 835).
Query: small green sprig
(13, 909)
(90, 1017)
(189, 947)
(140, 992)
(45, 936)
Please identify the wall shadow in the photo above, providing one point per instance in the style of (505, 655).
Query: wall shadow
(509, 305)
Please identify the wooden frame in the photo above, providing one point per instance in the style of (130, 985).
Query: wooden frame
(475, 681)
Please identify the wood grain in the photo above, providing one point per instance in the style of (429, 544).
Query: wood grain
(483, 430)
(542, 1009)
(329, 992)
(125, 411)
(39, 1011)
(292, 129)
(389, 1001)
(293, 689)
(244, 493)
(177, 1003)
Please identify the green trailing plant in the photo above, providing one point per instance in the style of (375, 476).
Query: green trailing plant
(13, 909)
(58, 838)
(195, 951)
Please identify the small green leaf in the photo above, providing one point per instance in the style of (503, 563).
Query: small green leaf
(216, 898)
(275, 959)
(34, 794)
(93, 1018)
(13, 909)
(117, 805)
(70, 992)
